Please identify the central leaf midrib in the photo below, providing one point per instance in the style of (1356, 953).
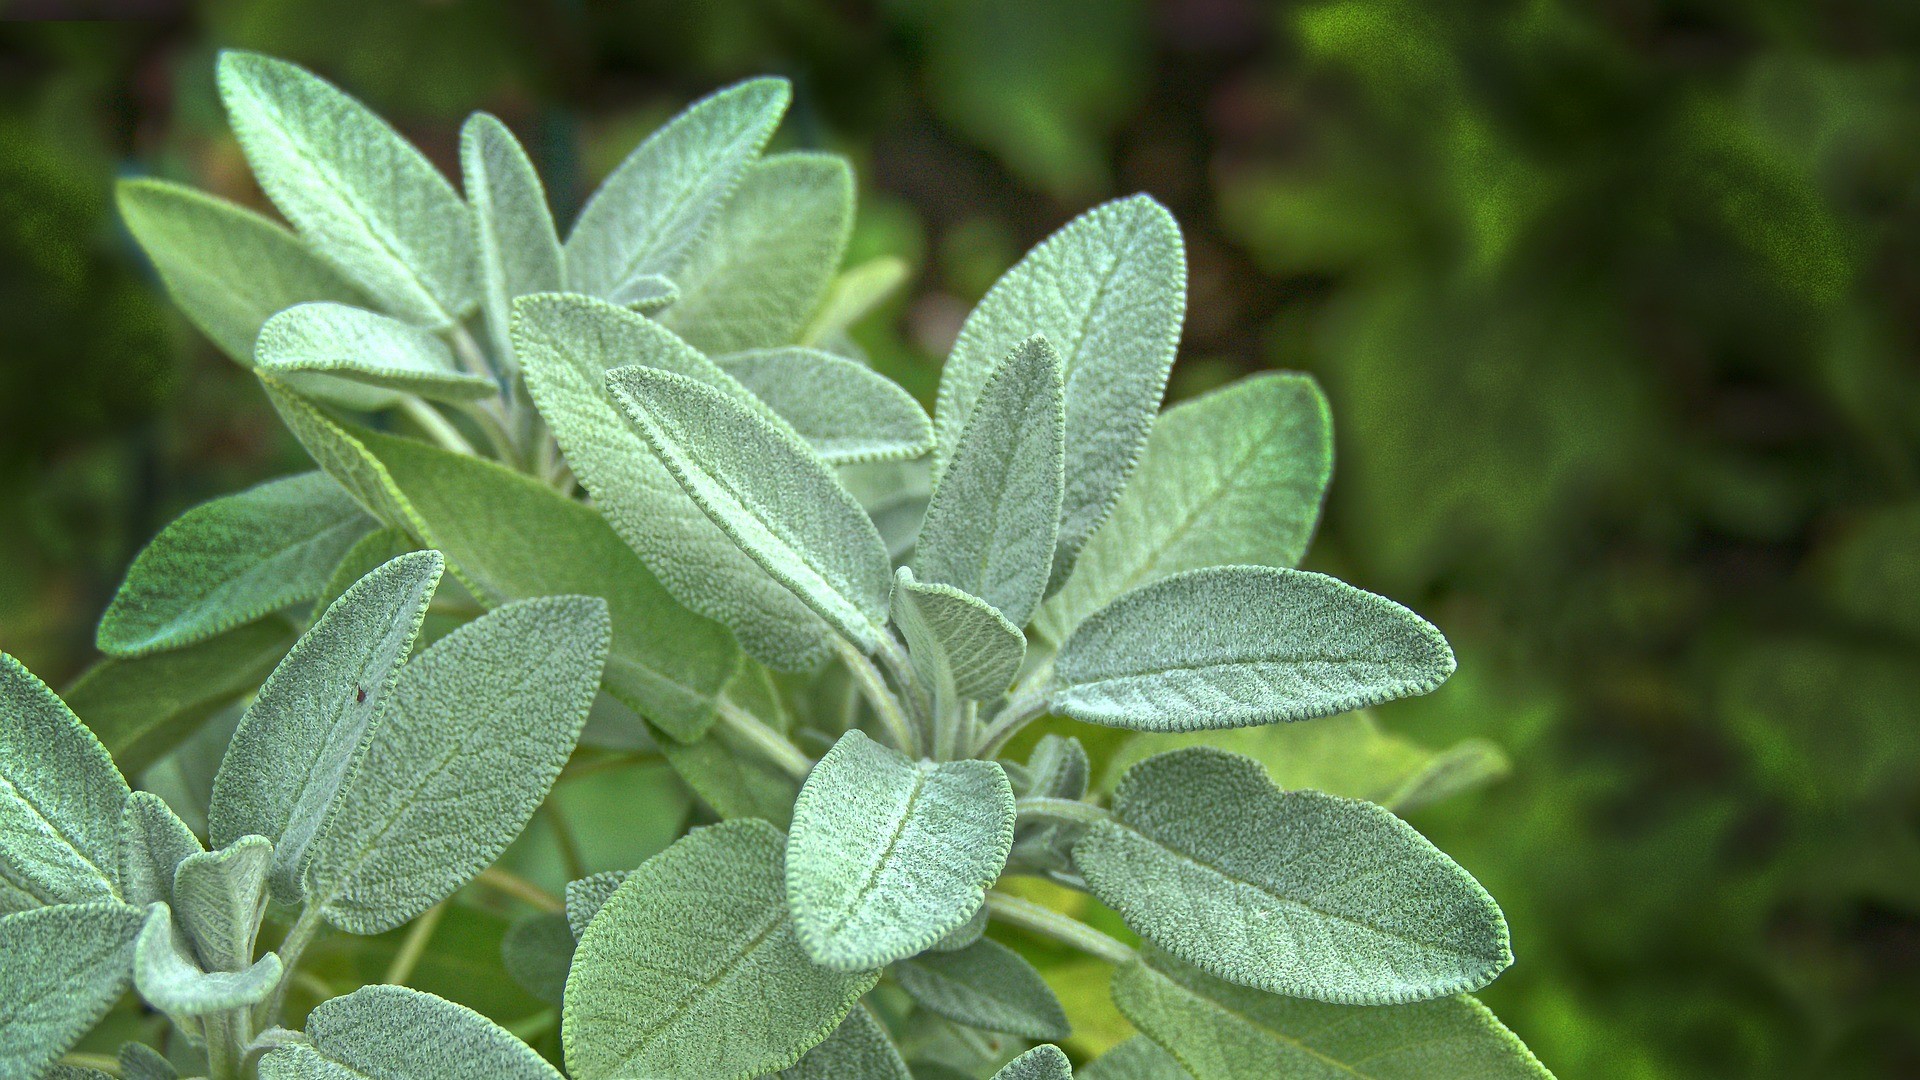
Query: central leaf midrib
(871, 881)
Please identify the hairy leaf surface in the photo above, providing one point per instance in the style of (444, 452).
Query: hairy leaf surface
(1139, 1058)
(353, 357)
(1045, 1062)
(988, 986)
(60, 800)
(536, 953)
(858, 1049)
(172, 979)
(513, 229)
(846, 411)
(218, 898)
(153, 841)
(396, 1033)
(959, 644)
(586, 896)
(62, 967)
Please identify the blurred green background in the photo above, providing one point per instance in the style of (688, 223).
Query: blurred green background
(1615, 302)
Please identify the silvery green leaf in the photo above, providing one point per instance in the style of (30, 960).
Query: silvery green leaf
(646, 294)
(60, 969)
(959, 644)
(966, 934)
(1338, 901)
(1139, 1058)
(763, 267)
(60, 799)
(1108, 291)
(219, 898)
(768, 492)
(846, 411)
(895, 495)
(396, 1033)
(1219, 1030)
(691, 969)
(1234, 477)
(586, 896)
(353, 357)
(476, 730)
(231, 561)
(297, 740)
(382, 545)
(985, 985)
(72, 1072)
(153, 840)
(537, 952)
(663, 197)
(1236, 646)
(733, 777)
(141, 1062)
(1045, 1062)
(512, 227)
(510, 537)
(995, 515)
(342, 457)
(565, 345)
(227, 268)
(858, 1049)
(854, 295)
(366, 200)
(1057, 768)
(888, 855)
(171, 979)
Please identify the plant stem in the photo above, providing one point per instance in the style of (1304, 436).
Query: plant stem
(874, 686)
(437, 427)
(563, 838)
(919, 699)
(1017, 714)
(267, 1012)
(769, 742)
(469, 353)
(414, 946)
(510, 884)
(1065, 811)
(1050, 924)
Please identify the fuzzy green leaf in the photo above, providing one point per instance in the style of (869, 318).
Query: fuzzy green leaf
(227, 268)
(985, 985)
(171, 979)
(478, 727)
(395, 1033)
(366, 200)
(60, 800)
(691, 969)
(763, 268)
(853, 296)
(967, 933)
(646, 294)
(153, 841)
(512, 227)
(342, 457)
(1058, 768)
(895, 495)
(888, 855)
(294, 746)
(231, 561)
(141, 1062)
(733, 777)
(772, 495)
(565, 345)
(1236, 646)
(1295, 892)
(537, 952)
(845, 410)
(959, 644)
(1108, 290)
(858, 1049)
(588, 895)
(218, 898)
(995, 515)
(1220, 1031)
(353, 357)
(1139, 1058)
(60, 968)
(647, 215)
(1235, 477)
(1045, 1062)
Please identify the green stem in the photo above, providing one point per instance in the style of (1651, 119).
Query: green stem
(570, 856)
(1054, 926)
(511, 884)
(468, 352)
(1063, 811)
(437, 427)
(267, 1012)
(769, 742)
(414, 946)
(1009, 722)
(874, 686)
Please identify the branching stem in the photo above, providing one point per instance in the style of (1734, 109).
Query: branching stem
(874, 686)
(507, 883)
(1054, 926)
(414, 946)
(1010, 721)
(769, 742)
(1064, 811)
(437, 427)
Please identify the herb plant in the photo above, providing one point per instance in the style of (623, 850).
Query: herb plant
(682, 515)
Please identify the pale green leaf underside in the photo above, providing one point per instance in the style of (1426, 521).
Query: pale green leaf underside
(1236, 646)
(61, 968)
(958, 643)
(1139, 1058)
(995, 514)
(477, 729)
(513, 229)
(769, 492)
(227, 268)
(60, 799)
(356, 358)
(396, 1033)
(1296, 892)
(691, 969)
(231, 561)
(1040, 1063)
(366, 200)
(1229, 1032)
(173, 980)
(988, 986)
(858, 1049)
(1108, 290)
(846, 411)
(1234, 477)
(761, 270)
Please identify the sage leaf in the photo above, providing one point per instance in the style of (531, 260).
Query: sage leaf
(397, 1033)
(1045, 1062)
(1219, 1030)
(1109, 291)
(959, 644)
(846, 411)
(342, 457)
(888, 855)
(1234, 477)
(513, 230)
(995, 515)
(60, 799)
(565, 345)
(366, 200)
(967, 933)
(647, 214)
(141, 1062)
(895, 495)
(172, 980)
(219, 898)
(477, 729)
(1139, 1058)
(768, 492)
(985, 985)
(230, 561)
(692, 970)
(586, 896)
(227, 268)
(763, 267)
(153, 841)
(297, 740)
(1297, 892)
(854, 295)
(1057, 768)
(646, 294)
(353, 357)
(61, 967)
(380, 546)
(734, 777)
(858, 1049)
(537, 952)
(1236, 646)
